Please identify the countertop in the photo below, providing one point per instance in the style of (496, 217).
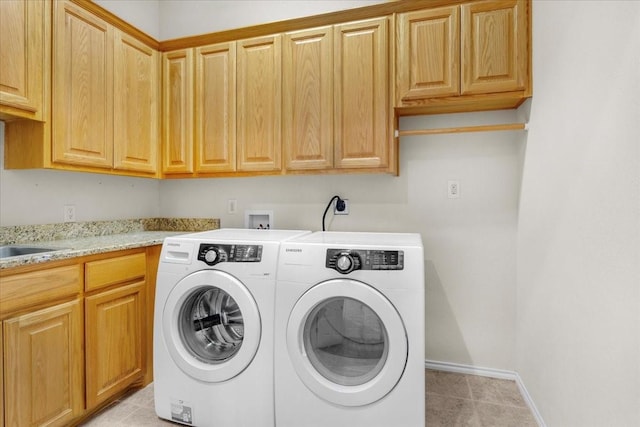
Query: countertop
(82, 239)
(71, 248)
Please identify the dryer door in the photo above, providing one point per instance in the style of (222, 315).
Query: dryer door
(347, 342)
(211, 326)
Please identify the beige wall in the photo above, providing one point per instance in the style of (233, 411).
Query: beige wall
(578, 330)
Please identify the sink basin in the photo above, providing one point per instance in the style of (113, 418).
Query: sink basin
(18, 250)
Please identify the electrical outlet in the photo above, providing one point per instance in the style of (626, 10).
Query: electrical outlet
(344, 205)
(69, 213)
(453, 189)
(232, 206)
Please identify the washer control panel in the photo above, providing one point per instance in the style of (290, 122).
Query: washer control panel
(212, 254)
(347, 260)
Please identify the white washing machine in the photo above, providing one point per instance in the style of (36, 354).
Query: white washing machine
(349, 331)
(213, 335)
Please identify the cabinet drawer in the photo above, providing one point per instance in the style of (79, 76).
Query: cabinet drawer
(111, 271)
(38, 287)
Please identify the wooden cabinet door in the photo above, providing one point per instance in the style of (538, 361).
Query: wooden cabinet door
(24, 67)
(82, 88)
(215, 108)
(494, 46)
(114, 341)
(137, 105)
(428, 53)
(307, 105)
(177, 111)
(361, 83)
(43, 364)
(259, 104)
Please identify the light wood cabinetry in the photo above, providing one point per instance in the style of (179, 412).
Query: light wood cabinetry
(337, 75)
(428, 53)
(42, 345)
(467, 57)
(494, 43)
(82, 88)
(94, 66)
(92, 315)
(199, 111)
(113, 341)
(136, 105)
(114, 325)
(307, 105)
(177, 112)
(153, 260)
(43, 362)
(215, 108)
(25, 31)
(259, 103)
(320, 94)
(362, 105)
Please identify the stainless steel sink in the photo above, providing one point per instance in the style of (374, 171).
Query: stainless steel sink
(18, 250)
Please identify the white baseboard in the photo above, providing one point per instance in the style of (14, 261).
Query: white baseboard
(492, 373)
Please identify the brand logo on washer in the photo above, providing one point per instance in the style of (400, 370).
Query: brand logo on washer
(293, 250)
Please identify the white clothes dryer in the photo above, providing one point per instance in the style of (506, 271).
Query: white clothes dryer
(349, 331)
(213, 335)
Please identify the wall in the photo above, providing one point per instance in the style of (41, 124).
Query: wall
(39, 196)
(172, 19)
(142, 14)
(578, 311)
(180, 18)
(469, 242)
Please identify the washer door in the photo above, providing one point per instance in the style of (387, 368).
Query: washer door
(211, 326)
(347, 342)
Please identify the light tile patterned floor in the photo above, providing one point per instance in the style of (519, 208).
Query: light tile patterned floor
(452, 400)
(474, 401)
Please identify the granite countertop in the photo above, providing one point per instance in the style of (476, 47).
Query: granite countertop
(81, 239)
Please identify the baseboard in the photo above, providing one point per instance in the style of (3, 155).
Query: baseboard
(492, 373)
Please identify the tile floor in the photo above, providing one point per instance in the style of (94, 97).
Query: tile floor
(452, 400)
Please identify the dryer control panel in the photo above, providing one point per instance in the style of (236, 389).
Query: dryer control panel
(212, 254)
(347, 260)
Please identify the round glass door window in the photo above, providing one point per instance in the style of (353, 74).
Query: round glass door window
(346, 341)
(211, 325)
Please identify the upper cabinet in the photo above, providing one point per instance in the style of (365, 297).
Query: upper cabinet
(494, 47)
(307, 104)
(362, 106)
(82, 88)
(136, 100)
(321, 94)
(468, 57)
(25, 31)
(259, 101)
(199, 110)
(215, 108)
(105, 92)
(336, 97)
(105, 102)
(428, 54)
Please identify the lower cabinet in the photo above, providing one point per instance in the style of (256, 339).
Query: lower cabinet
(70, 352)
(114, 325)
(43, 366)
(113, 341)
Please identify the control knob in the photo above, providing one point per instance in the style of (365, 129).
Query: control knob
(346, 263)
(214, 255)
(210, 256)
